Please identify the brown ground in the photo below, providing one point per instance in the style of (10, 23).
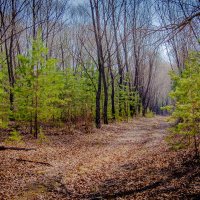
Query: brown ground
(120, 161)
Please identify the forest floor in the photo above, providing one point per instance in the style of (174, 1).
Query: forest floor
(128, 160)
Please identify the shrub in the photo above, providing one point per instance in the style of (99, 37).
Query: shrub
(15, 136)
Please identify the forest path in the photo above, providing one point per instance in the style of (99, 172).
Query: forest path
(97, 158)
(128, 160)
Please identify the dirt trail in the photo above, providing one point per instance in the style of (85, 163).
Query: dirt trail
(120, 161)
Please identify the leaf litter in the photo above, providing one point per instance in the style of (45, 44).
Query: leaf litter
(128, 160)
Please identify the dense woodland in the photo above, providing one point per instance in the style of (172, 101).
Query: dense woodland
(65, 60)
(110, 89)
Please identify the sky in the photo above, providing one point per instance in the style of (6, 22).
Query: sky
(75, 2)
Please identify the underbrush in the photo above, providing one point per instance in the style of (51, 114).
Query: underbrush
(17, 132)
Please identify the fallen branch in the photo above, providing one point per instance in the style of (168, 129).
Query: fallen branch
(16, 148)
(32, 161)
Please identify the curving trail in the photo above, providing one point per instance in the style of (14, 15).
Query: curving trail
(129, 160)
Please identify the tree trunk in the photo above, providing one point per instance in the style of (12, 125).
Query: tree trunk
(119, 63)
(105, 107)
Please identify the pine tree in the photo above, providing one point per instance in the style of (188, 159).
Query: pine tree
(38, 87)
(79, 93)
(4, 93)
(186, 94)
